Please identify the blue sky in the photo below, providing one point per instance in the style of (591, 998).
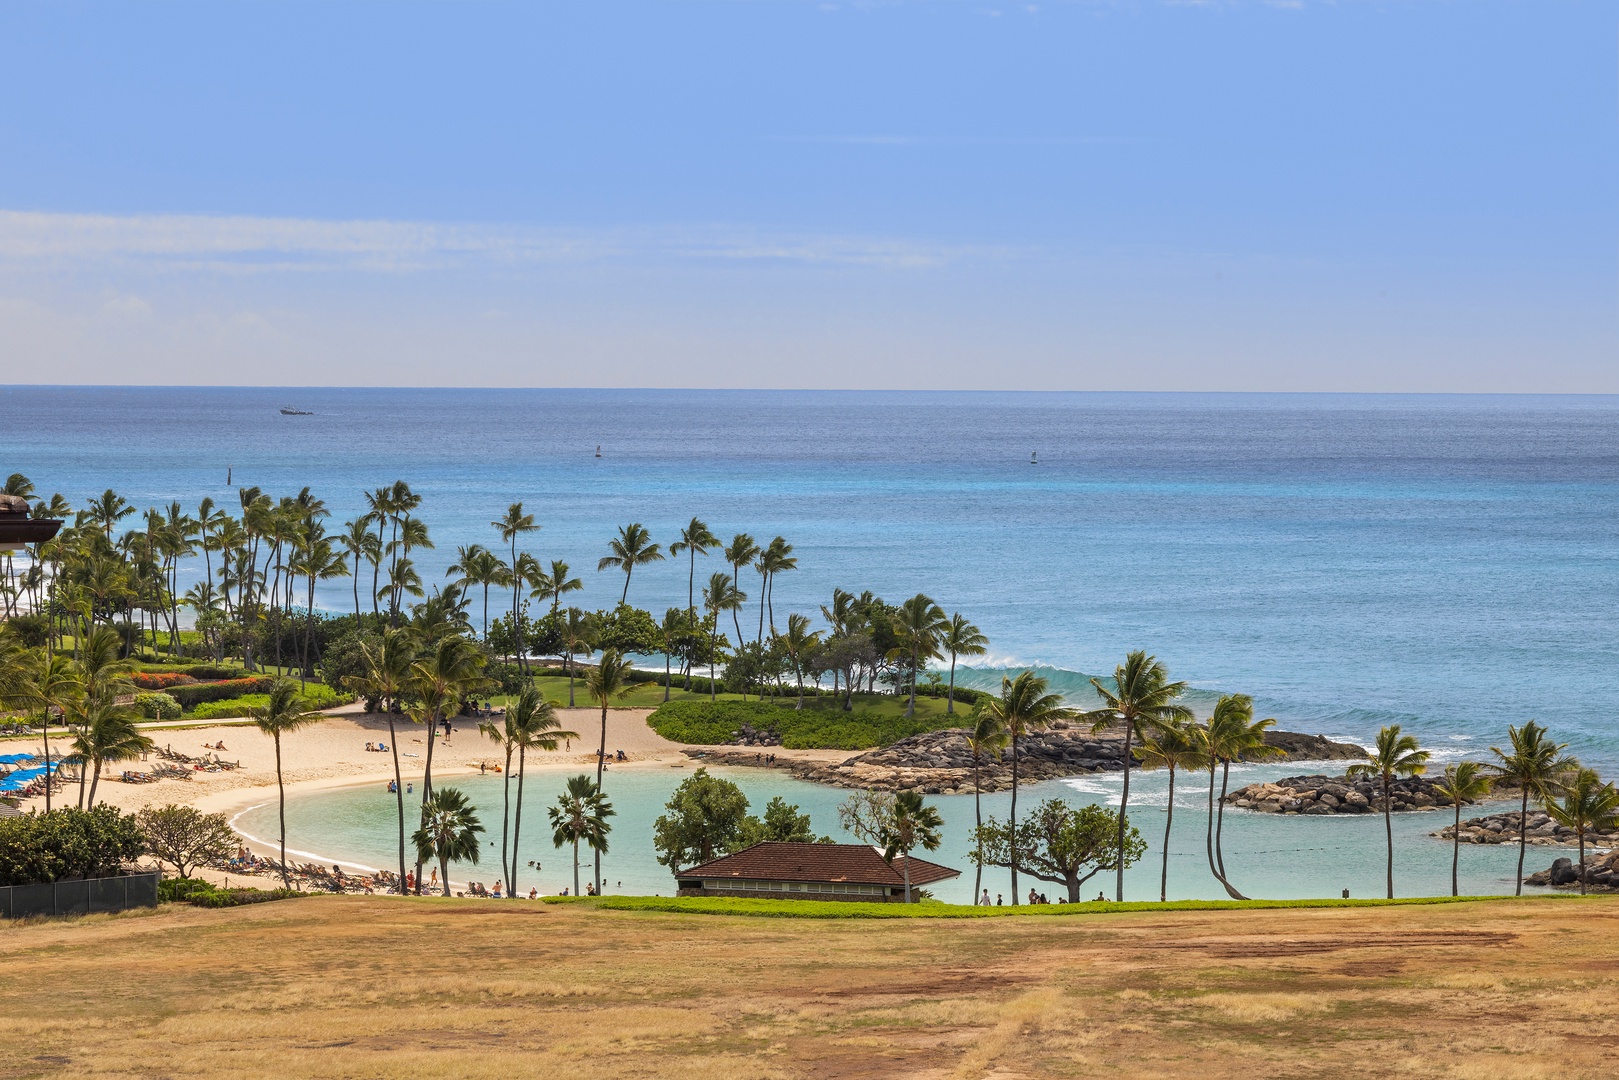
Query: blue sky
(1401, 195)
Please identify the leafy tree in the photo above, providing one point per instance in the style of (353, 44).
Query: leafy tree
(1060, 844)
(1142, 699)
(706, 816)
(631, 548)
(1462, 782)
(185, 837)
(581, 814)
(1023, 707)
(1535, 766)
(782, 824)
(281, 715)
(449, 832)
(1586, 805)
(1394, 755)
(67, 843)
(627, 629)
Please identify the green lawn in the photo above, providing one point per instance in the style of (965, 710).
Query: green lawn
(650, 696)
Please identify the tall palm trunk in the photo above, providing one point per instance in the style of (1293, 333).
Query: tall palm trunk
(1581, 834)
(281, 797)
(601, 763)
(1169, 820)
(95, 778)
(444, 873)
(399, 793)
(1455, 847)
(1523, 835)
(666, 676)
(910, 706)
(1124, 803)
(1011, 831)
(517, 822)
(1388, 828)
(50, 777)
(356, 592)
(950, 698)
(1219, 832)
(1208, 841)
(505, 814)
(427, 789)
(978, 824)
(576, 866)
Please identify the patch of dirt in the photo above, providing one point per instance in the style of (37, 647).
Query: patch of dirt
(1259, 948)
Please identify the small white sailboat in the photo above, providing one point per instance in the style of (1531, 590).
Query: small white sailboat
(1034, 457)
(598, 450)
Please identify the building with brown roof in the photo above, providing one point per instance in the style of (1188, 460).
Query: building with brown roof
(810, 872)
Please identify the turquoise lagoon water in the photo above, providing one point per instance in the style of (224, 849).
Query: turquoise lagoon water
(1267, 855)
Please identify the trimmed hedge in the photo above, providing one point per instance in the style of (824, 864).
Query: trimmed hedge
(200, 893)
(159, 680)
(712, 723)
(317, 696)
(157, 706)
(197, 693)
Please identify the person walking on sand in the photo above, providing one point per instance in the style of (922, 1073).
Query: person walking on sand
(432, 882)
(984, 901)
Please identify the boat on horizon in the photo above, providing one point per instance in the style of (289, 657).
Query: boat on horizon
(295, 412)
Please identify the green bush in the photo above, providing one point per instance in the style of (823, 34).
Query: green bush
(38, 847)
(200, 893)
(215, 671)
(156, 705)
(192, 696)
(315, 697)
(710, 723)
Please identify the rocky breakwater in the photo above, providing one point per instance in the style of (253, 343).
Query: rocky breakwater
(941, 763)
(1336, 795)
(1541, 831)
(1600, 870)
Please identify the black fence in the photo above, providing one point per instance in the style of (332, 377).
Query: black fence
(84, 896)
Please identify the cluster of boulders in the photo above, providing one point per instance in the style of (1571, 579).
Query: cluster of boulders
(941, 762)
(748, 735)
(1336, 795)
(1601, 873)
(1540, 829)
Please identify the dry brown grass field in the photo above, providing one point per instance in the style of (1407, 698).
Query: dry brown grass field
(373, 987)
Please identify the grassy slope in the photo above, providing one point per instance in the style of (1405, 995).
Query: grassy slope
(369, 987)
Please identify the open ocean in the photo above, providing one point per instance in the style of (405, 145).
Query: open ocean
(1447, 563)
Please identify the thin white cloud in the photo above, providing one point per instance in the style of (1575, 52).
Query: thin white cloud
(264, 244)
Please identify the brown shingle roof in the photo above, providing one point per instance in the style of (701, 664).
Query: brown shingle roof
(855, 864)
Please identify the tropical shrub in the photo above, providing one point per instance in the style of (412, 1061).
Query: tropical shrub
(200, 893)
(185, 837)
(190, 696)
(42, 847)
(344, 658)
(215, 671)
(159, 680)
(157, 706)
(314, 698)
(32, 630)
(709, 723)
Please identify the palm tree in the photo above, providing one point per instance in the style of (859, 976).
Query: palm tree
(449, 832)
(1142, 699)
(1535, 766)
(578, 633)
(721, 595)
(1232, 734)
(387, 674)
(960, 638)
(359, 543)
(107, 732)
(282, 714)
(507, 736)
(631, 548)
(739, 553)
(561, 583)
(1023, 707)
(1587, 805)
(609, 679)
(1462, 783)
(1394, 755)
(1173, 746)
(537, 729)
(107, 509)
(438, 680)
(581, 813)
(47, 680)
(918, 624)
(985, 738)
(695, 539)
(914, 824)
(799, 643)
(513, 525)
(772, 561)
(670, 630)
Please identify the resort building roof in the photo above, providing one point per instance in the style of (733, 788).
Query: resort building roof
(853, 864)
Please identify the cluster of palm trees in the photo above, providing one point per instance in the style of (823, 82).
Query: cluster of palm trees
(85, 693)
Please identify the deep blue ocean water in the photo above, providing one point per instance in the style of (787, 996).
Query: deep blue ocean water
(1449, 563)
